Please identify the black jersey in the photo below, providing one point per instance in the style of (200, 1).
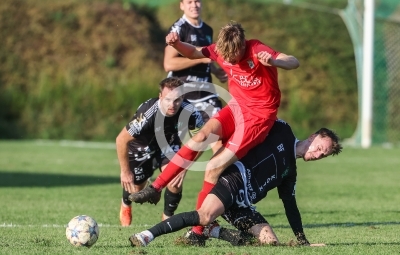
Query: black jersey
(269, 165)
(200, 36)
(149, 122)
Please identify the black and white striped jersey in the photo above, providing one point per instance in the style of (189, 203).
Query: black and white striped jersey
(153, 131)
(200, 36)
(271, 164)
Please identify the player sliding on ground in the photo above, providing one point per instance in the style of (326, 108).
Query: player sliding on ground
(271, 164)
(246, 120)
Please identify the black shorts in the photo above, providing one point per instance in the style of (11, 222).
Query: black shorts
(143, 166)
(230, 190)
(143, 169)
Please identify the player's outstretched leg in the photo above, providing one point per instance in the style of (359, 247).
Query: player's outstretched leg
(214, 230)
(148, 194)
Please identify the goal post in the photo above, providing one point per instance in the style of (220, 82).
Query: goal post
(361, 28)
(374, 27)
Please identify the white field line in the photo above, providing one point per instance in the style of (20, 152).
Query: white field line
(14, 225)
(101, 225)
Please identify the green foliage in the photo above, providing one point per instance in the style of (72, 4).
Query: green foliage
(79, 69)
(75, 70)
(345, 202)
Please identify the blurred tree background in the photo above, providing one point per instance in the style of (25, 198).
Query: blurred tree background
(78, 69)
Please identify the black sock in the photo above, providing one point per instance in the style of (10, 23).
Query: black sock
(175, 223)
(171, 201)
(125, 195)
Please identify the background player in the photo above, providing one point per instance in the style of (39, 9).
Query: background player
(198, 88)
(193, 30)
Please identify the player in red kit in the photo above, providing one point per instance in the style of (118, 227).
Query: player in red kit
(251, 67)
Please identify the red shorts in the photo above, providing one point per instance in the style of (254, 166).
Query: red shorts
(242, 131)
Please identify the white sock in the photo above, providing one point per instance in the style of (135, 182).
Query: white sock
(215, 232)
(148, 234)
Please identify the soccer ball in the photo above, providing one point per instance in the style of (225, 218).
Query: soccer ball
(82, 230)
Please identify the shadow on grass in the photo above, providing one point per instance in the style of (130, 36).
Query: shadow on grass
(351, 224)
(336, 224)
(361, 243)
(21, 179)
(344, 224)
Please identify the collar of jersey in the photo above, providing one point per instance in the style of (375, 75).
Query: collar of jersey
(186, 19)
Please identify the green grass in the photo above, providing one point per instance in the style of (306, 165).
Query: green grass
(349, 202)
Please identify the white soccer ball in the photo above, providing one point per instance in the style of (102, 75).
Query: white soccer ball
(82, 230)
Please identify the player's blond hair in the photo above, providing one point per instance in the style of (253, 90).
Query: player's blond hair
(231, 41)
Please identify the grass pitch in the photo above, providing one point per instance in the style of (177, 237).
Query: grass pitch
(349, 202)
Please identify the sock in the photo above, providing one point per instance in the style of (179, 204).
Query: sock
(175, 223)
(181, 161)
(171, 202)
(207, 187)
(148, 234)
(125, 200)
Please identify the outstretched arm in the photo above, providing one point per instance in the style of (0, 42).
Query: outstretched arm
(185, 49)
(287, 62)
(283, 61)
(294, 218)
(174, 62)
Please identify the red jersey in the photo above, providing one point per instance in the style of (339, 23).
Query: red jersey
(253, 85)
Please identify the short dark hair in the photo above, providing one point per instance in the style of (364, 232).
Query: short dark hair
(171, 83)
(336, 147)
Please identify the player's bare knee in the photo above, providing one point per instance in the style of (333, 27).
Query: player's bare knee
(139, 187)
(175, 188)
(268, 240)
(205, 217)
(264, 233)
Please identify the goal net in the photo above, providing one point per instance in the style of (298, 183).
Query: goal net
(386, 67)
